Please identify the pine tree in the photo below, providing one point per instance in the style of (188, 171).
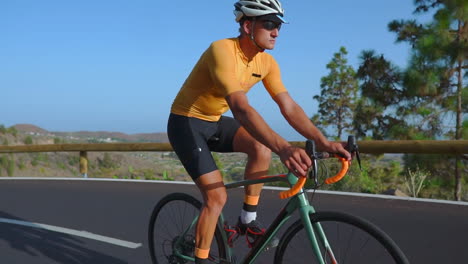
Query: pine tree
(438, 67)
(337, 96)
(378, 111)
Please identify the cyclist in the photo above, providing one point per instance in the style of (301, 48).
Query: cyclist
(219, 81)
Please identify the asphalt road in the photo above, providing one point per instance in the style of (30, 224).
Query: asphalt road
(78, 221)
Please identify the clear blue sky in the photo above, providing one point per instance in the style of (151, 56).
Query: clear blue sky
(116, 65)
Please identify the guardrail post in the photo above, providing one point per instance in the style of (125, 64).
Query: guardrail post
(84, 164)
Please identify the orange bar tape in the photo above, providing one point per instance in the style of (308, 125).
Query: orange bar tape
(341, 173)
(295, 189)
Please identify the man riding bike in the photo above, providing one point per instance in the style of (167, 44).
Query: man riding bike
(220, 80)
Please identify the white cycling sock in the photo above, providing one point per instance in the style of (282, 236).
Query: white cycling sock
(247, 217)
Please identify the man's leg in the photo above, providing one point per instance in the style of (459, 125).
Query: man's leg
(258, 162)
(214, 197)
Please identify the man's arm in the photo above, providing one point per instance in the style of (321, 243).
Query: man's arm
(295, 159)
(297, 118)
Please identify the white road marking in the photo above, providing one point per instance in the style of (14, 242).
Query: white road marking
(73, 232)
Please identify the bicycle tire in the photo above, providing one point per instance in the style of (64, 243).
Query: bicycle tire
(365, 244)
(170, 218)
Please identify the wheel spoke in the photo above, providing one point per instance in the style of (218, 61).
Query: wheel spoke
(171, 218)
(352, 240)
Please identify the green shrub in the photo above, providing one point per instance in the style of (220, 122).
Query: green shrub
(415, 181)
(13, 131)
(8, 164)
(11, 167)
(28, 140)
(73, 160)
(42, 157)
(21, 165)
(61, 165)
(166, 176)
(3, 161)
(107, 162)
(148, 174)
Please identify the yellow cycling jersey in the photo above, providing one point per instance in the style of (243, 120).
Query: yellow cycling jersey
(221, 70)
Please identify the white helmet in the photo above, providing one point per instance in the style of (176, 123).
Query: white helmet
(254, 8)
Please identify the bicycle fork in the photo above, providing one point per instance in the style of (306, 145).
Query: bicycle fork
(314, 231)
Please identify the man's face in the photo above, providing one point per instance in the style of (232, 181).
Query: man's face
(266, 32)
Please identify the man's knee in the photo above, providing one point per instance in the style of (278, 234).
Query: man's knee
(260, 151)
(216, 199)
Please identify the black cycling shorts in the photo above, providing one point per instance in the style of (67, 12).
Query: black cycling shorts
(193, 140)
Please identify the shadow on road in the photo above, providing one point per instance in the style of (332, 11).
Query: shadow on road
(61, 248)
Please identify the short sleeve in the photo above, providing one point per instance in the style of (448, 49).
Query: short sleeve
(272, 81)
(222, 67)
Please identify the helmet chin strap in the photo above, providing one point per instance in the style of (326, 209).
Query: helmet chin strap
(261, 49)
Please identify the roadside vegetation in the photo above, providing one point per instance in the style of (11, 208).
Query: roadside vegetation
(390, 174)
(426, 100)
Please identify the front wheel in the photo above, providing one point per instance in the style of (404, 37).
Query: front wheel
(170, 234)
(352, 240)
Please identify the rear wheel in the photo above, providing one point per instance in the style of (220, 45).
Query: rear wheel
(171, 218)
(352, 240)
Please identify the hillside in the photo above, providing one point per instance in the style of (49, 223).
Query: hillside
(122, 165)
(63, 164)
(92, 136)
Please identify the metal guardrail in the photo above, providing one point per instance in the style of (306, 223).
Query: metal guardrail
(371, 146)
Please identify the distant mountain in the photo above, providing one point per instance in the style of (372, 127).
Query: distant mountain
(98, 135)
(30, 129)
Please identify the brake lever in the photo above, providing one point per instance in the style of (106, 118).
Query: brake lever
(358, 158)
(352, 147)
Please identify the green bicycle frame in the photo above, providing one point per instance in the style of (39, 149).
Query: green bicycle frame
(180, 241)
(297, 202)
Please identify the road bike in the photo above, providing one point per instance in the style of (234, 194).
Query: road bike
(317, 237)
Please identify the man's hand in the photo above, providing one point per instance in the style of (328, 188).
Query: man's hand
(337, 147)
(296, 160)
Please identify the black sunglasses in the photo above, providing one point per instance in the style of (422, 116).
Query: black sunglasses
(270, 25)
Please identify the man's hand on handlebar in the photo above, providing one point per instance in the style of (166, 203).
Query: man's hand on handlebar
(298, 163)
(296, 160)
(338, 148)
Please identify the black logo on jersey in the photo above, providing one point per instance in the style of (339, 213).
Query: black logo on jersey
(256, 75)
